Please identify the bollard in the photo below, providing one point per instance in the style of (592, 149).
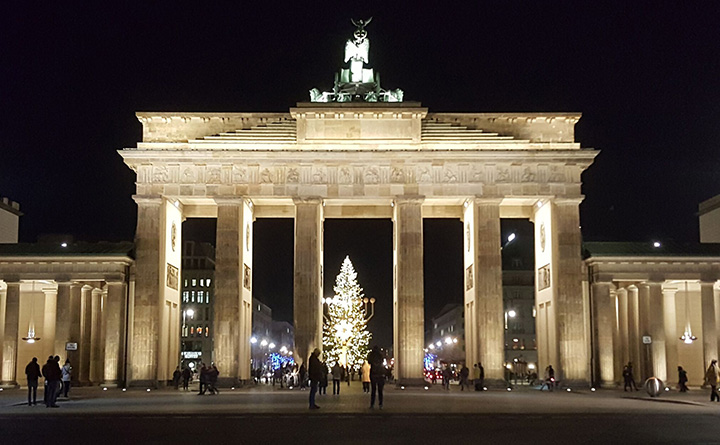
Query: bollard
(654, 386)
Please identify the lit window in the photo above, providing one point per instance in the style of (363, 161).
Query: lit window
(207, 282)
(207, 297)
(192, 296)
(194, 282)
(258, 308)
(202, 282)
(186, 283)
(207, 330)
(192, 330)
(186, 297)
(199, 331)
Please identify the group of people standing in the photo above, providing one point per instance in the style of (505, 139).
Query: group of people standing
(373, 376)
(208, 378)
(57, 380)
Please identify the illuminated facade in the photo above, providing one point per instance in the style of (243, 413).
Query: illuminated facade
(198, 288)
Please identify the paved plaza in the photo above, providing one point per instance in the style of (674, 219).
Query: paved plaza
(264, 414)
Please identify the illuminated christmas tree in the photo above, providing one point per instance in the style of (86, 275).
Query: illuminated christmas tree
(345, 334)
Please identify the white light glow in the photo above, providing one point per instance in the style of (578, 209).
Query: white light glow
(438, 343)
(592, 389)
(515, 340)
(431, 346)
(568, 390)
(104, 389)
(253, 340)
(448, 340)
(512, 313)
(510, 237)
(124, 389)
(263, 343)
(426, 388)
(402, 387)
(531, 365)
(148, 390)
(454, 340)
(271, 346)
(657, 244)
(63, 245)
(283, 349)
(190, 313)
(509, 389)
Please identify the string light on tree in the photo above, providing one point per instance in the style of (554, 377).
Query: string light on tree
(345, 334)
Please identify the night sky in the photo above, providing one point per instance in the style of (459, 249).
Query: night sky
(645, 75)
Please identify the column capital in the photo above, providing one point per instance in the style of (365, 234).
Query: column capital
(147, 200)
(409, 199)
(486, 201)
(229, 200)
(568, 201)
(308, 200)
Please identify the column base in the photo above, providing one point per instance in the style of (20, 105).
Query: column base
(417, 382)
(579, 384)
(9, 385)
(110, 384)
(608, 385)
(229, 382)
(496, 384)
(142, 384)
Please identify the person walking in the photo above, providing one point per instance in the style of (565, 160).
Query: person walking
(464, 374)
(315, 372)
(32, 372)
(446, 375)
(303, 376)
(336, 376)
(176, 377)
(186, 374)
(212, 378)
(479, 376)
(378, 374)
(203, 379)
(365, 376)
(711, 378)
(682, 379)
(66, 376)
(322, 389)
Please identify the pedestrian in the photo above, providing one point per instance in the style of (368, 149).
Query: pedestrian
(629, 378)
(682, 379)
(322, 388)
(336, 375)
(53, 375)
(203, 379)
(303, 376)
(378, 374)
(186, 374)
(551, 378)
(60, 381)
(464, 373)
(212, 378)
(176, 377)
(66, 376)
(32, 372)
(365, 376)
(479, 377)
(711, 378)
(346, 369)
(446, 375)
(315, 371)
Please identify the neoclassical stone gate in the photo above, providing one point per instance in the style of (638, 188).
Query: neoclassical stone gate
(359, 160)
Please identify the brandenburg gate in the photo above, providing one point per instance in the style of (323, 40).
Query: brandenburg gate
(359, 152)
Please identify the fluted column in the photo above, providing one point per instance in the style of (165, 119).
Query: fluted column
(487, 289)
(64, 318)
(617, 336)
(85, 345)
(114, 329)
(645, 365)
(146, 305)
(623, 328)
(671, 333)
(307, 276)
(10, 331)
(709, 324)
(656, 325)
(604, 322)
(633, 329)
(408, 291)
(96, 353)
(573, 345)
(228, 263)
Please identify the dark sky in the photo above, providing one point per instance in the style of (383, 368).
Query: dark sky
(645, 75)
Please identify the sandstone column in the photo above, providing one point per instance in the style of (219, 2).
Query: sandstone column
(96, 353)
(572, 342)
(490, 332)
(633, 331)
(75, 303)
(709, 324)
(645, 366)
(623, 329)
(671, 334)
(85, 344)
(11, 329)
(307, 277)
(63, 319)
(143, 368)
(228, 263)
(604, 322)
(114, 328)
(617, 337)
(657, 332)
(408, 292)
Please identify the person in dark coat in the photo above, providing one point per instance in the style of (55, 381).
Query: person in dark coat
(186, 374)
(32, 371)
(378, 374)
(303, 376)
(322, 389)
(203, 379)
(176, 377)
(315, 373)
(212, 378)
(682, 379)
(52, 373)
